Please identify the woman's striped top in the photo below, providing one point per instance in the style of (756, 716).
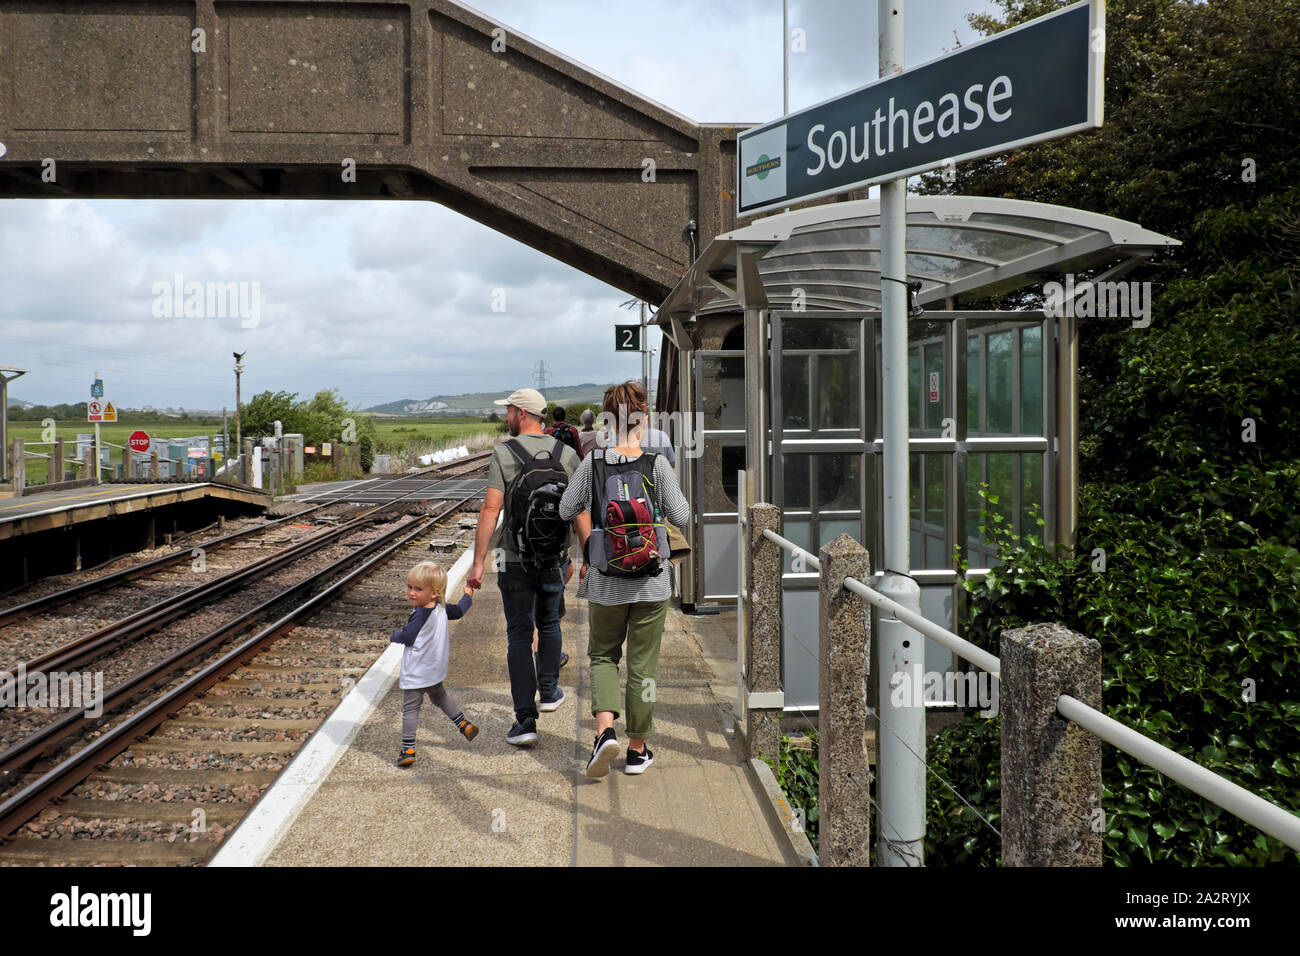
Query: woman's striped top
(608, 589)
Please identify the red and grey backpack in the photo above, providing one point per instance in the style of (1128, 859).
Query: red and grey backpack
(628, 535)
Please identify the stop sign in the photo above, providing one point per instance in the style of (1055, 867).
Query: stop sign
(139, 441)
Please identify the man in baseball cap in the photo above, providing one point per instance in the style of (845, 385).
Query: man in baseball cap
(528, 399)
(530, 595)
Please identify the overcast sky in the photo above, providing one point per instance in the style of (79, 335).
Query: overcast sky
(386, 300)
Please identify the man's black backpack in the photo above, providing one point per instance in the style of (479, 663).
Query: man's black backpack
(540, 537)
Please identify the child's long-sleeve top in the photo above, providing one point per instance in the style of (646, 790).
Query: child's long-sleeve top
(427, 644)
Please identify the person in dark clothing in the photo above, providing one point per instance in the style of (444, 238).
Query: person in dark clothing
(530, 594)
(564, 431)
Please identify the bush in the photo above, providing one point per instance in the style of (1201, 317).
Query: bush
(366, 448)
(796, 774)
(967, 755)
(1195, 612)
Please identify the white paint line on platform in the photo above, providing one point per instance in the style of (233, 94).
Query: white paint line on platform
(274, 814)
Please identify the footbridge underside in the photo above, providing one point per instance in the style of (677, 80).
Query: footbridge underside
(413, 99)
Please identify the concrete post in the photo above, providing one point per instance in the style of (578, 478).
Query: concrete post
(1051, 768)
(246, 464)
(843, 650)
(272, 469)
(58, 462)
(17, 466)
(763, 634)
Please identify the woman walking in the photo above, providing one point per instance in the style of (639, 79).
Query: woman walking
(625, 578)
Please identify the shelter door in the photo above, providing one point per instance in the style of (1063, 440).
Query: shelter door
(823, 473)
(720, 394)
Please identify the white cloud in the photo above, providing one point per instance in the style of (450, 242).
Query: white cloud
(389, 300)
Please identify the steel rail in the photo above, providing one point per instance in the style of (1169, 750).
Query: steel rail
(57, 598)
(147, 619)
(45, 738)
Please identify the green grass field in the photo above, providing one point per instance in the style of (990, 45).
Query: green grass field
(398, 436)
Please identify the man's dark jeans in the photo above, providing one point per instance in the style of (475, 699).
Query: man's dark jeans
(531, 599)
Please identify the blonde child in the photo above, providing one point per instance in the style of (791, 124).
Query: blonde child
(426, 651)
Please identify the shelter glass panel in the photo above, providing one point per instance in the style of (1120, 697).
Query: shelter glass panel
(999, 384)
(1031, 380)
(1047, 226)
(839, 385)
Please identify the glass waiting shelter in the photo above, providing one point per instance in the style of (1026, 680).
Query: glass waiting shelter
(778, 365)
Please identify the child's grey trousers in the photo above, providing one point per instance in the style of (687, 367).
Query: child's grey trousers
(411, 701)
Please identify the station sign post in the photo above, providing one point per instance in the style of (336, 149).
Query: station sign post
(95, 409)
(1038, 81)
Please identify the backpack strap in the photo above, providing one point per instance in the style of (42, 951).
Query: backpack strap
(517, 450)
(597, 481)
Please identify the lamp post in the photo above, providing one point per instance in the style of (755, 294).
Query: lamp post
(7, 374)
(645, 351)
(239, 368)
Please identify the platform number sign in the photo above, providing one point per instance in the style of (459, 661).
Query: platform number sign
(627, 338)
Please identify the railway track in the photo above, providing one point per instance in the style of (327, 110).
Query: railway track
(213, 548)
(188, 742)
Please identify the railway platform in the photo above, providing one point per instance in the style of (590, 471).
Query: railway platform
(343, 801)
(40, 511)
(55, 532)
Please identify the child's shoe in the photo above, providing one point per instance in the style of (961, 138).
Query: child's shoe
(468, 729)
(406, 757)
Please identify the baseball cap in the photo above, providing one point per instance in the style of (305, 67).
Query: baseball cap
(529, 399)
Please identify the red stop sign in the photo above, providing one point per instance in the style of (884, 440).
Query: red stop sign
(139, 441)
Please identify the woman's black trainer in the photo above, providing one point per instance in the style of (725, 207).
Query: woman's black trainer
(637, 762)
(603, 752)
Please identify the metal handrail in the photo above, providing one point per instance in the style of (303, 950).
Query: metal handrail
(959, 646)
(1253, 809)
(1237, 800)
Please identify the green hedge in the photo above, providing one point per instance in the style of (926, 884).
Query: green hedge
(1196, 609)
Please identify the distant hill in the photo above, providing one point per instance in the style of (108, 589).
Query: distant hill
(481, 403)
